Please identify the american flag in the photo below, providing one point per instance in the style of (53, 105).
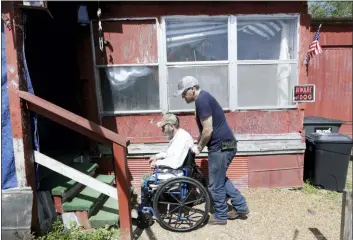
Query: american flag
(314, 48)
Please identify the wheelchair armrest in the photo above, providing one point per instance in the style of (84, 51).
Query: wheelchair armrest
(164, 167)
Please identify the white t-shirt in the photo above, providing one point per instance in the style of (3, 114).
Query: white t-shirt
(176, 151)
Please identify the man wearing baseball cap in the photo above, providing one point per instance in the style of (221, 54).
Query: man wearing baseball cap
(180, 141)
(221, 143)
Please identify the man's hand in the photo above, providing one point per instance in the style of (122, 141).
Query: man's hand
(153, 163)
(207, 124)
(153, 158)
(195, 149)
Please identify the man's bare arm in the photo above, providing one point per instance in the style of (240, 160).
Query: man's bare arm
(206, 134)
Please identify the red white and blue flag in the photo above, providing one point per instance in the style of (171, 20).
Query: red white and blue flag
(314, 48)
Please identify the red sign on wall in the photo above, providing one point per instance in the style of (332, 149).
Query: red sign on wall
(304, 93)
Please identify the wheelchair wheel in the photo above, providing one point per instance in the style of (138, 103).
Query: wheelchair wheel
(181, 204)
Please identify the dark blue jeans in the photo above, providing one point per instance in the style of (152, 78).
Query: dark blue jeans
(220, 186)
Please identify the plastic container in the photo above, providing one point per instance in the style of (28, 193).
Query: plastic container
(326, 160)
(320, 124)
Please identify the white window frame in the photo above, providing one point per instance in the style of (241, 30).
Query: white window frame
(232, 63)
(191, 63)
(295, 16)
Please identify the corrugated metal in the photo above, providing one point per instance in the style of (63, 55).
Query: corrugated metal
(333, 35)
(237, 171)
(331, 72)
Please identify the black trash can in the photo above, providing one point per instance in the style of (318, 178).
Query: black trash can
(326, 160)
(314, 124)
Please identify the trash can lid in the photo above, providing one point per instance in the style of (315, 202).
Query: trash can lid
(329, 137)
(321, 120)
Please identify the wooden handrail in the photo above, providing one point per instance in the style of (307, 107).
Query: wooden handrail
(100, 134)
(71, 120)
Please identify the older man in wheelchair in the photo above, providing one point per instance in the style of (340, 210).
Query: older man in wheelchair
(175, 194)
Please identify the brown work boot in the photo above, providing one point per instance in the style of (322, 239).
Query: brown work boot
(215, 221)
(231, 215)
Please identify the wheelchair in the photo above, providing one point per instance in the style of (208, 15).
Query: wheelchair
(180, 203)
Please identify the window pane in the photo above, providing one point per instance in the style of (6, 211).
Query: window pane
(129, 88)
(212, 79)
(267, 39)
(266, 85)
(201, 39)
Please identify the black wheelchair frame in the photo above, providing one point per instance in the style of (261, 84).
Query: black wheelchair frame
(156, 193)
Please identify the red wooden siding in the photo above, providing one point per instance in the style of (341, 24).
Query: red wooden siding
(273, 171)
(142, 128)
(128, 42)
(237, 171)
(331, 72)
(157, 9)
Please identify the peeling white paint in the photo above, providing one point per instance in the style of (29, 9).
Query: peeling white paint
(14, 84)
(11, 68)
(19, 162)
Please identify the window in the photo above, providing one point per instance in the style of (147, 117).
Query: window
(127, 74)
(267, 65)
(129, 88)
(245, 62)
(197, 46)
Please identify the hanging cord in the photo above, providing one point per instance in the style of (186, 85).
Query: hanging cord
(100, 32)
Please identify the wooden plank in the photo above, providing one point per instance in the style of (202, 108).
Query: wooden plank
(346, 216)
(248, 149)
(244, 148)
(262, 147)
(261, 137)
(122, 180)
(20, 122)
(248, 144)
(71, 120)
(75, 175)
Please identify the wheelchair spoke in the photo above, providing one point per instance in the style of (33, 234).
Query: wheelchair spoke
(171, 212)
(171, 203)
(193, 201)
(171, 194)
(188, 195)
(194, 210)
(182, 204)
(174, 210)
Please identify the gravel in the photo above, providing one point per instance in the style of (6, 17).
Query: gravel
(275, 214)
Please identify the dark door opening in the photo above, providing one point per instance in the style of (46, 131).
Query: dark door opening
(51, 53)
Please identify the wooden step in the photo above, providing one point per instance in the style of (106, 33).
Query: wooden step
(85, 202)
(63, 188)
(106, 215)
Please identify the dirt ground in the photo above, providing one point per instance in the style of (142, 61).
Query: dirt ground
(275, 214)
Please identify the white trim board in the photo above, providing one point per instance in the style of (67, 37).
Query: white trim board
(248, 144)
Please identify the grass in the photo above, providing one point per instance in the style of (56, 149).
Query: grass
(59, 232)
(331, 195)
